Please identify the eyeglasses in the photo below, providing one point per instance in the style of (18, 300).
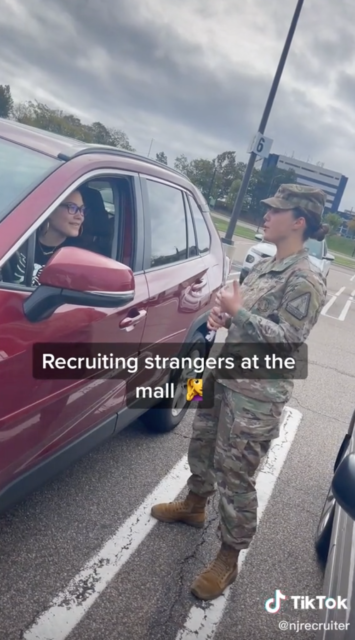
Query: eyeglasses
(73, 208)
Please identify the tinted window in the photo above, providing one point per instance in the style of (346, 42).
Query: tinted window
(315, 248)
(203, 236)
(106, 191)
(193, 250)
(98, 235)
(21, 170)
(168, 224)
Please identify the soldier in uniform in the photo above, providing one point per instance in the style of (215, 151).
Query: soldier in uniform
(279, 301)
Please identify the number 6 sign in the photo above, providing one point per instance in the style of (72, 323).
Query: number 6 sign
(260, 145)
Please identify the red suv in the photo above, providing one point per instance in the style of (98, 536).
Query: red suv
(144, 272)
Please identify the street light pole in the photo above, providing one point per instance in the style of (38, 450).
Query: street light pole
(250, 166)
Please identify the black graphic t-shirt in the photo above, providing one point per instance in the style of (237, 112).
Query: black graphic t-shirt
(42, 255)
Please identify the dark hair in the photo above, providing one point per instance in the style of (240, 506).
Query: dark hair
(314, 229)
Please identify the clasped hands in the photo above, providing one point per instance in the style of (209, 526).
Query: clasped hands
(228, 303)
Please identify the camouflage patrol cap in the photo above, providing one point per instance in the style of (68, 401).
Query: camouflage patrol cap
(291, 196)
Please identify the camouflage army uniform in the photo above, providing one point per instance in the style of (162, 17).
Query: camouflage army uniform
(282, 301)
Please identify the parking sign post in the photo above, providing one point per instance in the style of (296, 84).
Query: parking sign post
(260, 142)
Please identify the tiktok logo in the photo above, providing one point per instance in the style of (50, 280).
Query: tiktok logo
(273, 605)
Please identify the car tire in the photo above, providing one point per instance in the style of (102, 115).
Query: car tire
(325, 527)
(165, 416)
(241, 279)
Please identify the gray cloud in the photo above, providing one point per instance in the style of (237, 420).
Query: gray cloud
(194, 78)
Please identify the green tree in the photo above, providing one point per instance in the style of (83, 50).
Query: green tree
(233, 192)
(6, 101)
(228, 171)
(263, 184)
(213, 177)
(161, 157)
(39, 115)
(99, 134)
(182, 164)
(119, 139)
(201, 172)
(334, 221)
(351, 228)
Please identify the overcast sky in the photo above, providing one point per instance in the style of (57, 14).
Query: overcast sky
(192, 74)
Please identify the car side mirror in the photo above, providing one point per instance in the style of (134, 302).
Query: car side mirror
(258, 236)
(79, 277)
(343, 485)
(329, 256)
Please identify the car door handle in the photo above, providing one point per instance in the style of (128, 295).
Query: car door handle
(131, 321)
(200, 284)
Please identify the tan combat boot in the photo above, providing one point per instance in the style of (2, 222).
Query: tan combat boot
(191, 511)
(213, 581)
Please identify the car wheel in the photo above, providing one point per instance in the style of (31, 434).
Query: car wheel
(166, 415)
(324, 529)
(241, 278)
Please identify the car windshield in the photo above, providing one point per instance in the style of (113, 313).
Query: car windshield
(21, 170)
(315, 248)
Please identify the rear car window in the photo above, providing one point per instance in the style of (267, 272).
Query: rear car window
(315, 248)
(203, 235)
(21, 170)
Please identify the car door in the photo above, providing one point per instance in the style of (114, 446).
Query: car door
(176, 272)
(39, 417)
(178, 286)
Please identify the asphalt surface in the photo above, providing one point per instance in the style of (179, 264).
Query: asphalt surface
(46, 541)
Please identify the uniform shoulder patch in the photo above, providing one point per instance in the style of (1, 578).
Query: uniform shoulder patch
(298, 307)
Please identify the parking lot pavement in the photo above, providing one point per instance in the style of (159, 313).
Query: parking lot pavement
(81, 558)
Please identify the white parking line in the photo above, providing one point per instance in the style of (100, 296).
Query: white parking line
(203, 620)
(347, 307)
(352, 278)
(70, 606)
(331, 302)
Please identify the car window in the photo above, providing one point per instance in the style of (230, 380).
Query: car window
(21, 170)
(193, 249)
(168, 224)
(105, 189)
(107, 195)
(202, 232)
(315, 248)
(99, 223)
(107, 229)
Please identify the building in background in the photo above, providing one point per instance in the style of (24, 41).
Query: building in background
(314, 175)
(348, 215)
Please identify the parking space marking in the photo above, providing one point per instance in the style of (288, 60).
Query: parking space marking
(69, 607)
(203, 620)
(352, 278)
(331, 301)
(347, 307)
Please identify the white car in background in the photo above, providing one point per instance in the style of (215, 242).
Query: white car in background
(318, 253)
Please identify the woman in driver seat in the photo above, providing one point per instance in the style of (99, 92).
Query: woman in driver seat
(61, 229)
